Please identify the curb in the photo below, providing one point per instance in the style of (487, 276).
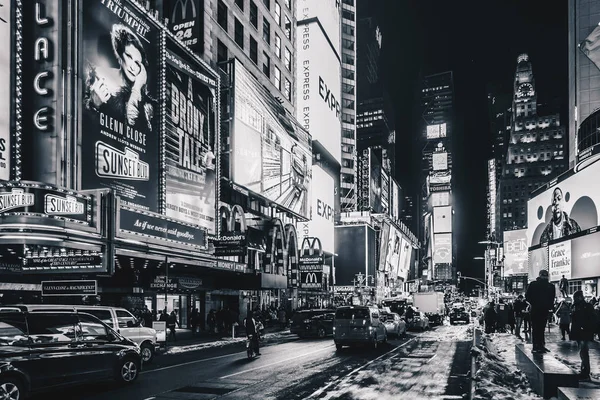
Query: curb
(226, 343)
(476, 341)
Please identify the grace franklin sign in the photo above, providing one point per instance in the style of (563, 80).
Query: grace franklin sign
(560, 261)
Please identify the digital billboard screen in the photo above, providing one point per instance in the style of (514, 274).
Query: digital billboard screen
(442, 219)
(515, 251)
(5, 82)
(585, 256)
(567, 206)
(120, 124)
(395, 200)
(353, 260)
(319, 88)
(439, 199)
(403, 262)
(327, 12)
(321, 224)
(394, 246)
(559, 261)
(271, 152)
(436, 131)
(375, 182)
(385, 192)
(537, 261)
(442, 248)
(440, 161)
(384, 236)
(190, 145)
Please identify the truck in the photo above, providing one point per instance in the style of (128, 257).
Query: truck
(432, 304)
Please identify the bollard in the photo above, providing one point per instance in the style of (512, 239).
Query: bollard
(233, 329)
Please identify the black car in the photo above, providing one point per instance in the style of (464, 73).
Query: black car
(46, 350)
(312, 323)
(459, 314)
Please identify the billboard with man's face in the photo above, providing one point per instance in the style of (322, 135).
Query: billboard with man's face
(120, 129)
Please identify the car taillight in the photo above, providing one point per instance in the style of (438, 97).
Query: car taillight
(307, 321)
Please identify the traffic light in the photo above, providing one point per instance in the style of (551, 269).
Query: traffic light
(458, 278)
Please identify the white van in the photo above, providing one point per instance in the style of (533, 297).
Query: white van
(118, 319)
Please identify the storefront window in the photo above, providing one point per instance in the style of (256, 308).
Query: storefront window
(574, 286)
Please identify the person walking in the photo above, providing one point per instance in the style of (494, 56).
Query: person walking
(540, 294)
(490, 317)
(563, 313)
(171, 323)
(582, 331)
(519, 308)
(564, 287)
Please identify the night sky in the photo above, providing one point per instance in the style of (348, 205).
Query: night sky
(479, 41)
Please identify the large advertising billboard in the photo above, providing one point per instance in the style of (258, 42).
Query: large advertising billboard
(559, 261)
(271, 152)
(319, 88)
(439, 199)
(355, 257)
(392, 258)
(190, 145)
(395, 200)
(186, 21)
(6, 97)
(515, 252)
(327, 12)
(384, 236)
(385, 192)
(321, 224)
(537, 261)
(120, 129)
(442, 219)
(442, 248)
(567, 207)
(585, 256)
(436, 131)
(440, 161)
(375, 183)
(403, 262)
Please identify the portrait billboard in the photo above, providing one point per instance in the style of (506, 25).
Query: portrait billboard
(559, 261)
(403, 262)
(442, 219)
(327, 12)
(271, 152)
(393, 251)
(190, 145)
(566, 206)
(186, 21)
(319, 88)
(537, 261)
(5, 82)
(120, 127)
(384, 236)
(442, 248)
(321, 224)
(440, 161)
(515, 251)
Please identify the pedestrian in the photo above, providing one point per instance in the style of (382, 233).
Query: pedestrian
(540, 294)
(194, 320)
(582, 330)
(502, 316)
(282, 319)
(518, 309)
(171, 323)
(564, 287)
(211, 321)
(511, 317)
(563, 314)
(527, 318)
(490, 317)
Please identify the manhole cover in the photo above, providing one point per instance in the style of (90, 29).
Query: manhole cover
(203, 389)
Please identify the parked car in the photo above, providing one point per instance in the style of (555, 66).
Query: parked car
(312, 323)
(419, 322)
(44, 351)
(394, 325)
(459, 314)
(354, 325)
(116, 318)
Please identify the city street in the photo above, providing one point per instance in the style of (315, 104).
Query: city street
(424, 364)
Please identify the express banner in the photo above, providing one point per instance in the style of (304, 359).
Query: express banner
(120, 137)
(190, 143)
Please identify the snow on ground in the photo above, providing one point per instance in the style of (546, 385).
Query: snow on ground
(418, 370)
(223, 342)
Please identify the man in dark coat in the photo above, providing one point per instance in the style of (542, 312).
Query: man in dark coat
(582, 330)
(540, 294)
(490, 317)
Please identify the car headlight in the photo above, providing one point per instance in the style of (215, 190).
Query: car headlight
(307, 321)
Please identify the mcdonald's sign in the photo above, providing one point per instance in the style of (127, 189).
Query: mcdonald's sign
(233, 238)
(186, 21)
(311, 252)
(311, 280)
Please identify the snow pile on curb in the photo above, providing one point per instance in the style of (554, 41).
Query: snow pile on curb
(222, 342)
(498, 377)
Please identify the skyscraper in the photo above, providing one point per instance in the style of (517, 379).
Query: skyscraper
(536, 150)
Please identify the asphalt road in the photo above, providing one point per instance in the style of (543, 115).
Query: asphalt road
(288, 369)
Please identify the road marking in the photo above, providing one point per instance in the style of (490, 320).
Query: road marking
(431, 359)
(276, 362)
(150, 398)
(323, 389)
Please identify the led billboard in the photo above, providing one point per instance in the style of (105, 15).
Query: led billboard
(515, 252)
(319, 88)
(355, 245)
(440, 161)
(537, 261)
(5, 82)
(442, 219)
(321, 224)
(120, 126)
(403, 262)
(439, 199)
(271, 153)
(566, 207)
(385, 191)
(392, 258)
(328, 14)
(395, 200)
(190, 145)
(436, 131)
(375, 182)
(442, 248)
(585, 256)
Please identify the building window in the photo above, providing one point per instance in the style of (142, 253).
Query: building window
(347, 59)
(277, 76)
(266, 31)
(267, 4)
(347, 29)
(222, 15)
(266, 65)
(288, 28)
(278, 46)
(288, 4)
(239, 33)
(349, 2)
(278, 13)
(221, 51)
(240, 4)
(288, 59)
(253, 14)
(253, 50)
(348, 15)
(574, 286)
(287, 90)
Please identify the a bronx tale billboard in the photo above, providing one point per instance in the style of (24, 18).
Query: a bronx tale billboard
(190, 141)
(120, 129)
